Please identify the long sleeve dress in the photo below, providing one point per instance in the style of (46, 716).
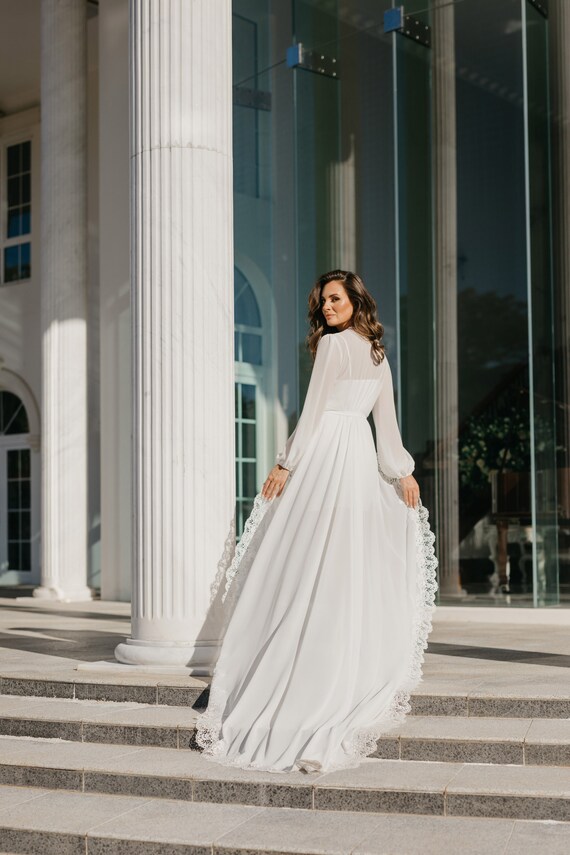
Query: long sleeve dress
(333, 585)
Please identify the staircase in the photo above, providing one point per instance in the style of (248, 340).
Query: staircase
(94, 766)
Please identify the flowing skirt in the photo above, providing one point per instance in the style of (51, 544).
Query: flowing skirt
(332, 590)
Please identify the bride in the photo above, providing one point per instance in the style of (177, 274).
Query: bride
(333, 581)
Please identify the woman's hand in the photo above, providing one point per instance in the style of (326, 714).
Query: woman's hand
(410, 491)
(275, 482)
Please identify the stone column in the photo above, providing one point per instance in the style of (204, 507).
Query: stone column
(182, 325)
(559, 33)
(64, 299)
(445, 189)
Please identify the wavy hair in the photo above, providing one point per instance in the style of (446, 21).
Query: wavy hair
(364, 316)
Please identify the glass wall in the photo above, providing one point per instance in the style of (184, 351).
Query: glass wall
(345, 157)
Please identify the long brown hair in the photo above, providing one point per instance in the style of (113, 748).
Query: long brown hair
(364, 318)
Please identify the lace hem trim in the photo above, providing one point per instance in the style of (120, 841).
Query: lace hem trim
(363, 741)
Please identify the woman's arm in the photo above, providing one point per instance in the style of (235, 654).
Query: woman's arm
(394, 461)
(326, 369)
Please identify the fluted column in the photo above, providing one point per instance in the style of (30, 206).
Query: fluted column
(64, 299)
(182, 325)
(445, 188)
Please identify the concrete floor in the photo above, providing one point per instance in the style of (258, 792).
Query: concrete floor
(509, 651)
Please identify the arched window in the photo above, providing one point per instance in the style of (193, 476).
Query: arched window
(15, 484)
(13, 416)
(247, 318)
(248, 400)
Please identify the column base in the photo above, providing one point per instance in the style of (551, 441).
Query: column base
(198, 658)
(59, 595)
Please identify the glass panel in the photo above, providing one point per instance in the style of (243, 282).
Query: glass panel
(544, 464)
(412, 354)
(26, 150)
(13, 159)
(25, 213)
(247, 401)
(14, 494)
(25, 556)
(251, 348)
(11, 263)
(25, 523)
(14, 464)
(14, 193)
(14, 525)
(25, 189)
(246, 307)
(13, 555)
(25, 265)
(14, 222)
(248, 440)
(492, 305)
(25, 496)
(13, 416)
(248, 470)
(25, 455)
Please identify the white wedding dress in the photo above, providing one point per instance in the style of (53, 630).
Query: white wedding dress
(332, 585)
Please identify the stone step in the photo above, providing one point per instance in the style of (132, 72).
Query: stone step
(487, 700)
(438, 738)
(541, 742)
(61, 823)
(377, 785)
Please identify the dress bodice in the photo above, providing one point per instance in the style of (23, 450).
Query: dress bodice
(345, 379)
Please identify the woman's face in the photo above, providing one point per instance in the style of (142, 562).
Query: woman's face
(336, 305)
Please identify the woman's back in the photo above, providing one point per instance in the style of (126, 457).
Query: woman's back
(359, 380)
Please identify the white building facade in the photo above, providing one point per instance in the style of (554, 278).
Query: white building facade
(174, 175)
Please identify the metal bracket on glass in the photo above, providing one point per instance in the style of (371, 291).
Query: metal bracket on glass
(312, 60)
(407, 25)
(541, 6)
(255, 98)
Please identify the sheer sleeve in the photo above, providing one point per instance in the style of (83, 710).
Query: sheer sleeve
(326, 368)
(394, 461)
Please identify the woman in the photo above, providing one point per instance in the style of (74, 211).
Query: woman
(335, 570)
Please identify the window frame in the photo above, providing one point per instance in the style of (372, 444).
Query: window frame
(6, 141)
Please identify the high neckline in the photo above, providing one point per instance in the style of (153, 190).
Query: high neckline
(351, 329)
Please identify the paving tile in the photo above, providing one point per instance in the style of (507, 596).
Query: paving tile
(278, 830)
(45, 688)
(490, 706)
(74, 812)
(392, 774)
(444, 705)
(522, 780)
(145, 694)
(34, 727)
(269, 793)
(38, 776)
(166, 737)
(519, 792)
(548, 743)
(183, 696)
(462, 728)
(461, 751)
(426, 835)
(10, 796)
(147, 715)
(387, 748)
(66, 709)
(151, 786)
(211, 781)
(18, 840)
(167, 824)
(386, 785)
(63, 755)
(549, 838)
